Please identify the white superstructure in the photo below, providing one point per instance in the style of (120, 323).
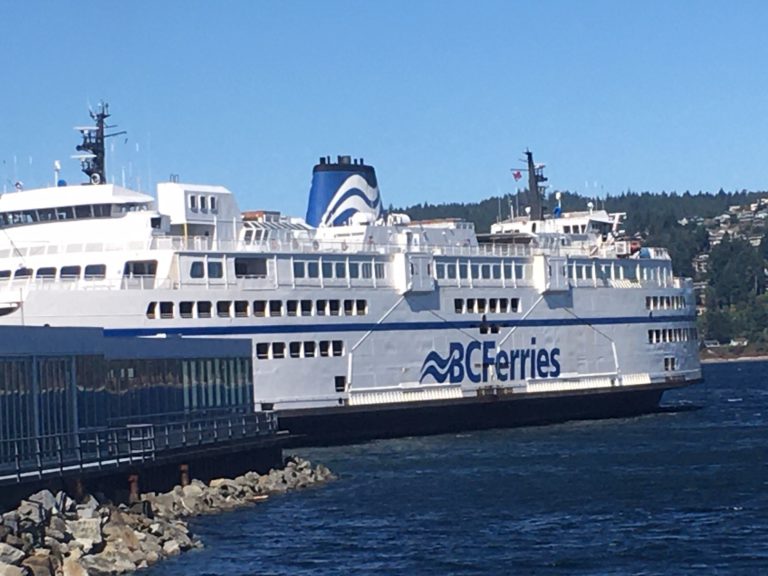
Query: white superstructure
(375, 312)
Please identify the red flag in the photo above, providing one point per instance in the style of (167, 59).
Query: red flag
(517, 175)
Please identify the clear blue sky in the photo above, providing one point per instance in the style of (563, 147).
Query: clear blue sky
(441, 96)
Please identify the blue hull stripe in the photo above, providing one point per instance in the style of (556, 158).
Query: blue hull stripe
(251, 329)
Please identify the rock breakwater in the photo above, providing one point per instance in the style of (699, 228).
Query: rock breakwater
(53, 535)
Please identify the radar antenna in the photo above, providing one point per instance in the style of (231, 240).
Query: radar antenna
(92, 162)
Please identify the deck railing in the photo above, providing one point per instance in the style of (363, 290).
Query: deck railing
(71, 453)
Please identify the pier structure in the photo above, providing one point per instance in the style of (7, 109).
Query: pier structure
(126, 414)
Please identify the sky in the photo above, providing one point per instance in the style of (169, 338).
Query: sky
(442, 97)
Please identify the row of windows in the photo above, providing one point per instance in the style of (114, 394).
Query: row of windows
(204, 203)
(245, 267)
(92, 272)
(259, 308)
(465, 270)
(670, 363)
(486, 306)
(53, 214)
(337, 269)
(673, 335)
(308, 349)
(132, 269)
(664, 302)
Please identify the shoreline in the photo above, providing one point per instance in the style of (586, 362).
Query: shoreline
(724, 359)
(52, 535)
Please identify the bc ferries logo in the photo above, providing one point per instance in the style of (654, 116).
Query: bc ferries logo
(340, 190)
(476, 360)
(354, 195)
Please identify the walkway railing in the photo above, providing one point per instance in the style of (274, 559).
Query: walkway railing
(72, 453)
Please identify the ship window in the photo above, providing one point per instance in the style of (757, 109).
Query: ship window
(46, 273)
(292, 307)
(23, 273)
(514, 304)
(337, 347)
(262, 350)
(166, 310)
(192, 202)
(341, 270)
(493, 305)
(334, 307)
(185, 309)
(204, 309)
(259, 307)
(102, 210)
(95, 272)
(340, 383)
(298, 270)
(139, 268)
(367, 270)
(275, 307)
(309, 349)
(65, 213)
(251, 267)
(215, 269)
(475, 271)
(151, 307)
(241, 308)
(70, 272)
(320, 308)
(313, 269)
(496, 271)
(485, 271)
(458, 305)
(5, 273)
(325, 348)
(196, 269)
(380, 270)
(519, 271)
(212, 201)
(83, 211)
(278, 349)
(203, 203)
(450, 271)
(327, 270)
(439, 270)
(481, 305)
(470, 305)
(223, 308)
(294, 349)
(463, 270)
(362, 307)
(503, 305)
(306, 307)
(349, 307)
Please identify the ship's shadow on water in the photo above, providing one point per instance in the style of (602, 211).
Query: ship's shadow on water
(678, 491)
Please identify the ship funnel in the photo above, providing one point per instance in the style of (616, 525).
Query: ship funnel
(340, 190)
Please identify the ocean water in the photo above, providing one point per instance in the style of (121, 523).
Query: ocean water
(680, 492)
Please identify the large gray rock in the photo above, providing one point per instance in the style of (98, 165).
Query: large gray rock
(106, 563)
(86, 531)
(72, 567)
(47, 502)
(11, 570)
(171, 548)
(88, 509)
(38, 565)
(31, 511)
(10, 555)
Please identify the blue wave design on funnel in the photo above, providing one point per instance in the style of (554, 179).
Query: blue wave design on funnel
(341, 190)
(438, 367)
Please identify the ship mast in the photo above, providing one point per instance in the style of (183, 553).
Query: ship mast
(535, 190)
(92, 162)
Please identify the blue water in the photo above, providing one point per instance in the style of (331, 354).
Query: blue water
(673, 493)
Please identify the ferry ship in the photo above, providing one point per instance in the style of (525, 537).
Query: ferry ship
(363, 324)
